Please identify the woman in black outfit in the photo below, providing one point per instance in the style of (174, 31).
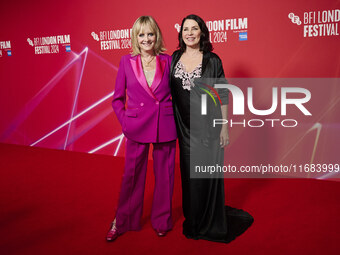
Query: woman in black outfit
(206, 216)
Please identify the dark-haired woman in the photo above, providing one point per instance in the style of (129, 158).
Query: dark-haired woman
(206, 216)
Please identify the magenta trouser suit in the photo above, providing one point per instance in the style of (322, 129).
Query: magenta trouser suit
(147, 118)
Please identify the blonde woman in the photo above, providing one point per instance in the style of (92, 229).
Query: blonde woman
(147, 117)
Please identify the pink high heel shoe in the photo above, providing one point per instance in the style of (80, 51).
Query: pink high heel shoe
(113, 232)
(161, 233)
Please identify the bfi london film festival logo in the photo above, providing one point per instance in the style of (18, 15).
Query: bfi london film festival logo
(239, 102)
(113, 39)
(50, 44)
(318, 23)
(219, 29)
(5, 46)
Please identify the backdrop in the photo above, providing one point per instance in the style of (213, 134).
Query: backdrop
(59, 60)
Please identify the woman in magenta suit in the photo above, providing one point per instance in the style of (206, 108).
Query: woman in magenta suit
(142, 103)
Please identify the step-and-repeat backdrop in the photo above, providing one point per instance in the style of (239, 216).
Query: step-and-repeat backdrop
(59, 60)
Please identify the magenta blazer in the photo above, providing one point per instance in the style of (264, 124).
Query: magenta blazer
(148, 115)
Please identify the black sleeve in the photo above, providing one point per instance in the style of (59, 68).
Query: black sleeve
(223, 93)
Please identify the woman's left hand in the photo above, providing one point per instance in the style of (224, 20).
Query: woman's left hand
(224, 136)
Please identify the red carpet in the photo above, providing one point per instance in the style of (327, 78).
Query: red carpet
(60, 202)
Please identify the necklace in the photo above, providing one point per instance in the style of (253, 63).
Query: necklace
(147, 63)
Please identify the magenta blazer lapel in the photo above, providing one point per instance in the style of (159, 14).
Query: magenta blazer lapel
(160, 65)
(137, 68)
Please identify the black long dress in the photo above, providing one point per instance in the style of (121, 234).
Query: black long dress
(205, 213)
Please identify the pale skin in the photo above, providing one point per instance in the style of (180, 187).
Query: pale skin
(146, 41)
(192, 57)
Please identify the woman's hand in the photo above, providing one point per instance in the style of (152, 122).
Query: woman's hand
(224, 136)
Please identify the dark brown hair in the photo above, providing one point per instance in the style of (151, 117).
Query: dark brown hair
(205, 44)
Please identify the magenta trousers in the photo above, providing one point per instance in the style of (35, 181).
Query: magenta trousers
(130, 205)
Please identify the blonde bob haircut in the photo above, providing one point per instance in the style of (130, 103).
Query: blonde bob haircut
(137, 28)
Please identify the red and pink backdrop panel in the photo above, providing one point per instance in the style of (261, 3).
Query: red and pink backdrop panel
(59, 60)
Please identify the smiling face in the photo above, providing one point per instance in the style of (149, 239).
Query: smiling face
(191, 33)
(146, 39)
